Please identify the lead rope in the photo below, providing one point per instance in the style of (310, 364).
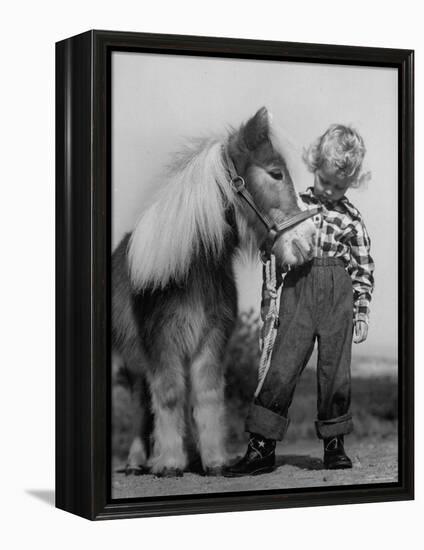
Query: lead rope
(270, 321)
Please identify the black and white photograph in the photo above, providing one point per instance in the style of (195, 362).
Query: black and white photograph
(211, 237)
(254, 275)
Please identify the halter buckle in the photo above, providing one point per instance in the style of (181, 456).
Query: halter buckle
(238, 183)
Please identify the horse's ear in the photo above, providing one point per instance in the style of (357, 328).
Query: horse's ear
(256, 130)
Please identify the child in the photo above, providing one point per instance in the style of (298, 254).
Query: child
(326, 300)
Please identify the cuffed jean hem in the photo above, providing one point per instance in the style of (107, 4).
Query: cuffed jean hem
(266, 423)
(335, 426)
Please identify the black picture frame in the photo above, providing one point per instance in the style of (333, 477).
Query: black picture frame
(82, 273)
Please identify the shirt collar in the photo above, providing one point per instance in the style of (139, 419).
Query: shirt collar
(341, 205)
(328, 203)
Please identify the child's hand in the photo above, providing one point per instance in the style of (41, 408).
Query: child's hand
(360, 332)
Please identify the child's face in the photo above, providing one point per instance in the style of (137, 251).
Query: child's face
(330, 185)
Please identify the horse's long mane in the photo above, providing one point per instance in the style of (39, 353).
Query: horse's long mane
(189, 213)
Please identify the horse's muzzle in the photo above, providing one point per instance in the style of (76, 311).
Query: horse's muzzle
(297, 245)
(302, 250)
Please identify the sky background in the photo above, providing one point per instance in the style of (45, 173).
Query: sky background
(159, 100)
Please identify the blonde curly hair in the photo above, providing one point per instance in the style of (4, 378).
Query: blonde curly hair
(341, 149)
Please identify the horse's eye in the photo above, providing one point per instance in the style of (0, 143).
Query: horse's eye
(276, 174)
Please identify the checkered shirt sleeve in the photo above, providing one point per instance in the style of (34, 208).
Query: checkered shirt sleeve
(361, 270)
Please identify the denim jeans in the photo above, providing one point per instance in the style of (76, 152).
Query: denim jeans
(316, 305)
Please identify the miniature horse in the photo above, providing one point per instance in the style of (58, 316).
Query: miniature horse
(174, 298)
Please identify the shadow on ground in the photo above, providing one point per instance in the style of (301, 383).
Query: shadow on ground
(45, 495)
(305, 462)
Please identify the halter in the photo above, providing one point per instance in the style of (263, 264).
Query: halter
(275, 229)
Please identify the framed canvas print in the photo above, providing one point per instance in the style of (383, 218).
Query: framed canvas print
(234, 274)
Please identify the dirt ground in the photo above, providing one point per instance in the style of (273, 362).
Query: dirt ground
(298, 465)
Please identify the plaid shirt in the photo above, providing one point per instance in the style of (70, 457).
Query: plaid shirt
(342, 234)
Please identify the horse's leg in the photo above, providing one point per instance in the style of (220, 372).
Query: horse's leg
(135, 363)
(168, 392)
(127, 348)
(207, 380)
(141, 427)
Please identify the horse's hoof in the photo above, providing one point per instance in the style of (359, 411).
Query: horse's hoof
(170, 472)
(134, 470)
(213, 471)
(142, 471)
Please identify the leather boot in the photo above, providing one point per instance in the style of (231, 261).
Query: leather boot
(259, 458)
(335, 457)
